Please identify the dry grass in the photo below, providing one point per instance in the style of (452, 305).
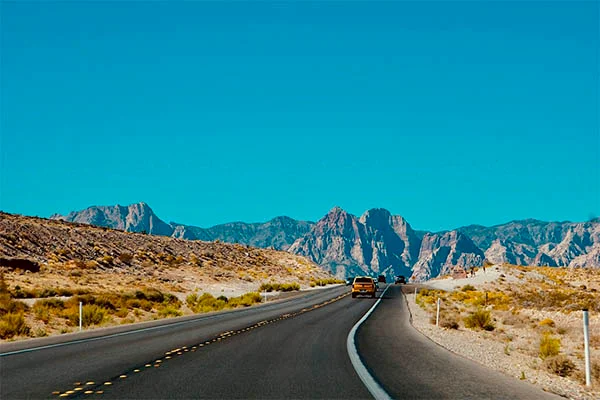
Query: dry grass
(536, 312)
(104, 267)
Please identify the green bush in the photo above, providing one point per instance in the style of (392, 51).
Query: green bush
(468, 288)
(480, 319)
(549, 346)
(13, 324)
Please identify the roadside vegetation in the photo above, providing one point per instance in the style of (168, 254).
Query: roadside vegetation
(207, 302)
(12, 319)
(97, 310)
(533, 310)
(278, 287)
(325, 282)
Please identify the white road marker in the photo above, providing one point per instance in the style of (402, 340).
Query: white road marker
(371, 384)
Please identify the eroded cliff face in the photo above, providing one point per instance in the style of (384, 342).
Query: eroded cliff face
(378, 242)
(441, 253)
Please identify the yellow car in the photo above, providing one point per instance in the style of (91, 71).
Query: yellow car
(363, 285)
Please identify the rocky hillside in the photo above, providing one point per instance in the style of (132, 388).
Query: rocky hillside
(533, 242)
(56, 247)
(375, 243)
(278, 233)
(443, 253)
(380, 243)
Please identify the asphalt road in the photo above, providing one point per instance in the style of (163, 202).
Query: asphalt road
(293, 349)
(409, 365)
(65, 367)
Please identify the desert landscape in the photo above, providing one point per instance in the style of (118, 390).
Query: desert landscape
(48, 267)
(522, 321)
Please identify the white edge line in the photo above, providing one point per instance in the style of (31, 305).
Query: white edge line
(371, 384)
(113, 335)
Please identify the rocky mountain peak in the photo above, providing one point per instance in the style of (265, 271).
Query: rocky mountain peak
(376, 217)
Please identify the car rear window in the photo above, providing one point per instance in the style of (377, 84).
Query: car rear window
(363, 280)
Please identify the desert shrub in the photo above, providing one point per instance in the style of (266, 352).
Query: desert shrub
(449, 321)
(468, 288)
(547, 323)
(169, 311)
(92, 314)
(153, 295)
(45, 309)
(514, 318)
(204, 303)
(328, 281)
(549, 346)
(13, 324)
(279, 287)
(428, 296)
(7, 304)
(245, 300)
(479, 319)
(224, 298)
(559, 365)
(125, 257)
(107, 260)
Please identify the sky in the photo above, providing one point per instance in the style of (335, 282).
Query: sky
(447, 113)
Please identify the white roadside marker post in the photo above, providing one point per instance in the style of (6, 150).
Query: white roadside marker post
(586, 346)
(80, 315)
(415, 295)
(437, 315)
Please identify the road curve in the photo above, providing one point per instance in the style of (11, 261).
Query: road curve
(288, 349)
(409, 365)
(293, 349)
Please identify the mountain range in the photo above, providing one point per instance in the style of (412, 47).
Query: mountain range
(378, 242)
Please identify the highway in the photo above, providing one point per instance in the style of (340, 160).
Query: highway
(292, 349)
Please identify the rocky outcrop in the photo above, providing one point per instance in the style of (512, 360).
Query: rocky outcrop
(533, 242)
(442, 253)
(137, 217)
(376, 243)
(278, 233)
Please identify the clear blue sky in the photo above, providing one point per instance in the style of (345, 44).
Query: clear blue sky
(448, 113)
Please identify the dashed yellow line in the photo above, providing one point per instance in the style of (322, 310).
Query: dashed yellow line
(185, 349)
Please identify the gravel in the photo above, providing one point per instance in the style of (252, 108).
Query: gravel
(479, 347)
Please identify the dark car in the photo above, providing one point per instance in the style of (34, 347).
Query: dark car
(349, 281)
(400, 279)
(381, 278)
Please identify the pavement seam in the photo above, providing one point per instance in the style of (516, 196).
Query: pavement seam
(367, 379)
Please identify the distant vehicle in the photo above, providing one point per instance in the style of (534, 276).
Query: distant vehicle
(381, 278)
(363, 285)
(349, 281)
(400, 279)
